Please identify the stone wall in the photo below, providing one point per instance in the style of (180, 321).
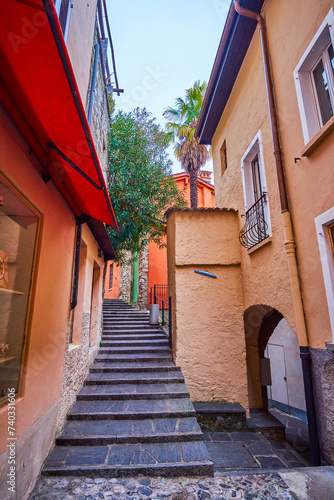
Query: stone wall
(78, 359)
(143, 279)
(125, 281)
(100, 118)
(323, 376)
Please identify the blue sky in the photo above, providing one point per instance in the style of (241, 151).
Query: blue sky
(161, 48)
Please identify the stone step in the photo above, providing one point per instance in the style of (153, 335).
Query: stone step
(131, 358)
(132, 391)
(133, 409)
(123, 320)
(151, 430)
(134, 350)
(133, 415)
(136, 336)
(133, 367)
(133, 331)
(135, 326)
(125, 460)
(135, 343)
(134, 378)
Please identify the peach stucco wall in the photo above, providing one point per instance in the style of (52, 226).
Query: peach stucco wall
(207, 319)
(157, 257)
(50, 297)
(52, 369)
(114, 292)
(80, 42)
(265, 276)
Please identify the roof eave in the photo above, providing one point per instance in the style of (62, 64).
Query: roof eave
(237, 35)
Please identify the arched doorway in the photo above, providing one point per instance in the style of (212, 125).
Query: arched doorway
(274, 370)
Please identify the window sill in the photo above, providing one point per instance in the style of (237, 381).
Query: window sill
(318, 138)
(71, 347)
(260, 245)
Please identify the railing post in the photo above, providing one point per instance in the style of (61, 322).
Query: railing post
(170, 320)
(163, 312)
(155, 297)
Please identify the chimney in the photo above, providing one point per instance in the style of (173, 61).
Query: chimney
(205, 175)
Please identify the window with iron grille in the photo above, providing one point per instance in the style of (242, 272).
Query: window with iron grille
(257, 224)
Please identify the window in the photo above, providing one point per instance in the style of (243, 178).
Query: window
(331, 236)
(223, 158)
(18, 235)
(257, 227)
(111, 276)
(324, 224)
(314, 80)
(63, 8)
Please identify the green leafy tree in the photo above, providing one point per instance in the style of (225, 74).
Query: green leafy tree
(140, 184)
(181, 125)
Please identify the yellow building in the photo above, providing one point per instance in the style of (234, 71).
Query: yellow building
(268, 113)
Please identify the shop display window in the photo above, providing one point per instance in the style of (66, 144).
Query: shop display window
(18, 232)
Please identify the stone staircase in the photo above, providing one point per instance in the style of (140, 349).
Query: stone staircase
(133, 415)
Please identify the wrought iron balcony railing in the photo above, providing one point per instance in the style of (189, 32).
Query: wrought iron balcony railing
(256, 228)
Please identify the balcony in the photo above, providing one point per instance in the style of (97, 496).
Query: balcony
(256, 228)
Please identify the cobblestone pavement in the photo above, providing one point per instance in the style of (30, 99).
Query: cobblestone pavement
(309, 483)
(257, 486)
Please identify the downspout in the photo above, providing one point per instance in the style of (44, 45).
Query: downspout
(289, 241)
(135, 272)
(79, 226)
(93, 83)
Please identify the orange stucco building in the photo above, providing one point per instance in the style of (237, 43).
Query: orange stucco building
(53, 206)
(157, 257)
(268, 114)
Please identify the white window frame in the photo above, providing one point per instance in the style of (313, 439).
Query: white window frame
(255, 148)
(327, 260)
(57, 7)
(303, 77)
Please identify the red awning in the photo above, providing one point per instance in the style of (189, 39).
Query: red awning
(39, 90)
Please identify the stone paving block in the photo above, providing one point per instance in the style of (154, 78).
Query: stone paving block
(143, 427)
(86, 455)
(231, 455)
(270, 462)
(260, 448)
(121, 454)
(164, 452)
(246, 437)
(194, 451)
(189, 425)
(218, 436)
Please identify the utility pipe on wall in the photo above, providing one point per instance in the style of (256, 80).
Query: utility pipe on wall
(93, 83)
(289, 241)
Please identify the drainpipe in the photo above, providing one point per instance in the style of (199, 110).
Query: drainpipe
(76, 267)
(135, 277)
(79, 226)
(93, 83)
(289, 241)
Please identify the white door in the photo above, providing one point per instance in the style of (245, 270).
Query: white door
(279, 389)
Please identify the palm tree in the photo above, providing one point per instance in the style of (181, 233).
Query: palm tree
(181, 125)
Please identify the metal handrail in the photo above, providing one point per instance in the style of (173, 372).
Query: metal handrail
(159, 295)
(255, 229)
